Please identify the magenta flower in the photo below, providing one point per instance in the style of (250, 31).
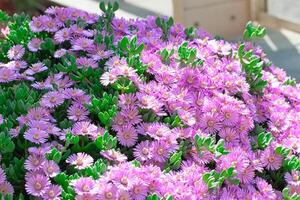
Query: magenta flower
(36, 68)
(1, 119)
(84, 62)
(35, 162)
(16, 52)
(7, 75)
(52, 193)
(114, 155)
(210, 123)
(139, 190)
(60, 53)
(62, 35)
(37, 185)
(107, 191)
(50, 168)
(34, 44)
(127, 136)
(2, 175)
(160, 151)
(77, 112)
(82, 43)
(84, 185)
(52, 99)
(80, 160)
(6, 188)
(36, 135)
(270, 159)
(143, 151)
(85, 128)
(36, 25)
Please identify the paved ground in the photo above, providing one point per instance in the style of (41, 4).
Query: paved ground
(282, 46)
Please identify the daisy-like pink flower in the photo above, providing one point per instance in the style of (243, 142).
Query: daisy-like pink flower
(77, 112)
(86, 196)
(7, 75)
(210, 123)
(36, 25)
(84, 128)
(99, 53)
(84, 185)
(37, 184)
(1, 119)
(114, 155)
(63, 35)
(52, 99)
(160, 151)
(139, 190)
(118, 122)
(6, 189)
(108, 191)
(132, 115)
(229, 116)
(84, 62)
(17, 64)
(143, 151)
(16, 52)
(127, 100)
(50, 168)
(80, 160)
(123, 194)
(270, 159)
(36, 68)
(229, 135)
(52, 193)
(108, 78)
(2, 175)
(60, 53)
(82, 43)
(127, 136)
(34, 162)
(34, 44)
(36, 135)
(266, 189)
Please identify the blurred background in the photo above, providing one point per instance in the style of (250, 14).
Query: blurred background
(225, 18)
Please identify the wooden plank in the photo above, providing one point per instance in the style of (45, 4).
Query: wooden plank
(257, 6)
(276, 23)
(227, 19)
(178, 11)
(195, 4)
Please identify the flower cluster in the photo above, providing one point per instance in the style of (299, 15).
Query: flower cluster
(96, 107)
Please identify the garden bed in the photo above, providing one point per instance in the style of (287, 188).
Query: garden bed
(96, 107)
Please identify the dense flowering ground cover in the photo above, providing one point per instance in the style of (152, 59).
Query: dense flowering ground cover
(96, 107)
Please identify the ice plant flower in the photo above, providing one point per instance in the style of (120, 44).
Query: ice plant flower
(97, 107)
(80, 160)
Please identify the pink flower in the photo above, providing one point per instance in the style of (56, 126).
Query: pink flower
(16, 52)
(114, 155)
(52, 193)
(143, 151)
(127, 136)
(84, 185)
(6, 188)
(80, 160)
(210, 123)
(34, 44)
(77, 112)
(37, 184)
(35, 135)
(52, 99)
(270, 159)
(50, 168)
